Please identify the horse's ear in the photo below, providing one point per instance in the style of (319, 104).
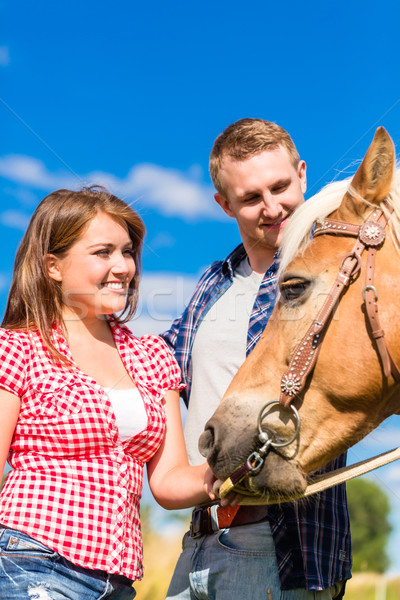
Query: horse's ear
(373, 178)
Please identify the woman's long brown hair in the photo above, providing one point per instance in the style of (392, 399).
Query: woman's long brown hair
(35, 300)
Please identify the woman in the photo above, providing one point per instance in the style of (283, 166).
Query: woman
(83, 405)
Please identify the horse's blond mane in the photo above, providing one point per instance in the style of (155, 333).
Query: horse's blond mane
(297, 234)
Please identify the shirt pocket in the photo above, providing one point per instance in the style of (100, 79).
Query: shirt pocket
(54, 398)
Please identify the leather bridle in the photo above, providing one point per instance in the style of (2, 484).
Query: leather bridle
(369, 236)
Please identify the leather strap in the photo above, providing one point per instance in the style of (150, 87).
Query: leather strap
(330, 479)
(305, 355)
(371, 235)
(336, 228)
(208, 519)
(371, 306)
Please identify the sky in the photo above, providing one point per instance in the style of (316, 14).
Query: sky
(132, 95)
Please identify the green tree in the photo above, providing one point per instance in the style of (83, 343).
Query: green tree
(369, 510)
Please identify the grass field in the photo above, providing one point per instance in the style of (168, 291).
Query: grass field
(160, 556)
(371, 586)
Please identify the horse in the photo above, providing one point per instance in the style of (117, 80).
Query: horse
(326, 354)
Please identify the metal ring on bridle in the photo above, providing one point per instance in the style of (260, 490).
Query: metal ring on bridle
(297, 430)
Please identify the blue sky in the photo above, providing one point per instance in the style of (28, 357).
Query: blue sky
(132, 96)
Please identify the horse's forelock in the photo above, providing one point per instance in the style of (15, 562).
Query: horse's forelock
(297, 234)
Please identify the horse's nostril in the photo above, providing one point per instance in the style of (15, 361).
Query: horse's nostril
(206, 441)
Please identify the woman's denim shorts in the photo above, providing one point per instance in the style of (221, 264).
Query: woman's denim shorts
(31, 571)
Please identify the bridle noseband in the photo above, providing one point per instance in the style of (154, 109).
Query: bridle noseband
(369, 236)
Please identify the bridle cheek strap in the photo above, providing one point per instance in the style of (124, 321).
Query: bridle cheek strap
(370, 235)
(370, 298)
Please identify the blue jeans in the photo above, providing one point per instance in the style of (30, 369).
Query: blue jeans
(31, 571)
(237, 563)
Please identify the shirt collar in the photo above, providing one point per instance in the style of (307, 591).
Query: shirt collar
(231, 263)
(233, 260)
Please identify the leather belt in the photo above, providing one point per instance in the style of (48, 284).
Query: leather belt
(208, 519)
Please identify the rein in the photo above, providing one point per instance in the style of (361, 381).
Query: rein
(369, 236)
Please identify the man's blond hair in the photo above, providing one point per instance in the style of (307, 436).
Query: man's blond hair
(246, 138)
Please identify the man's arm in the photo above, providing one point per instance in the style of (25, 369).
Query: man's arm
(180, 335)
(171, 335)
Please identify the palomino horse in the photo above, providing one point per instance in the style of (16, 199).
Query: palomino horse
(326, 354)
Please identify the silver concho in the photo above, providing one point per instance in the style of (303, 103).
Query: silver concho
(371, 233)
(290, 384)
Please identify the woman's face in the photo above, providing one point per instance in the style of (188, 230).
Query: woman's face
(97, 269)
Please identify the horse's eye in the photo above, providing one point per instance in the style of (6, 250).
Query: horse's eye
(293, 289)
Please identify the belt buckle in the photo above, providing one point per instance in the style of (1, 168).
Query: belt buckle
(213, 516)
(195, 523)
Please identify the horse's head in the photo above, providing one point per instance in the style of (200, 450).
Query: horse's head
(346, 393)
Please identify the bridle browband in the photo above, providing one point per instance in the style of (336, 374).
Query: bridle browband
(369, 236)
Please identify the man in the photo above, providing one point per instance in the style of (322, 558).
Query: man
(291, 551)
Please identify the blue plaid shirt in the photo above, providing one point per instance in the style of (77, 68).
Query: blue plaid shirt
(312, 536)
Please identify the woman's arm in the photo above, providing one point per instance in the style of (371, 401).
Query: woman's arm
(173, 482)
(9, 411)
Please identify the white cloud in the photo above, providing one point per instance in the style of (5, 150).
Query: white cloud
(33, 173)
(162, 298)
(24, 196)
(163, 239)
(5, 279)
(387, 435)
(170, 191)
(393, 475)
(4, 56)
(15, 219)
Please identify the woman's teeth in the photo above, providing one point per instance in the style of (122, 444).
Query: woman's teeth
(114, 286)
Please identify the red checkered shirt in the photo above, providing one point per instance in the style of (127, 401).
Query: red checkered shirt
(75, 486)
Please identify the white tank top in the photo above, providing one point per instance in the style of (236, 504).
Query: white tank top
(129, 410)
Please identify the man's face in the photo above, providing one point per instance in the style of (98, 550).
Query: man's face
(261, 192)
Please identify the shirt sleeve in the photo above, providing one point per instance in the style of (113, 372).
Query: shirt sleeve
(167, 367)
(12, 363)
(171, 335)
